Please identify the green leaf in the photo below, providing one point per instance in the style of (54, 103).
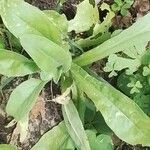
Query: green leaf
(100, 31)
(59, 20)
(23, 98)
(5, 81)
(105, 142)
(100, 142)
(146, 71)
(74, 126)
(49, 56)
(14, 64)
(130, 41)
(100, 124)
(121, 114)
(146, 58)
(33, 21)
(53, 139)
(124, 9)
(84, 19)
(7, 147)
(143, 102)
(122, 81)
(117, 63)
(68, 145)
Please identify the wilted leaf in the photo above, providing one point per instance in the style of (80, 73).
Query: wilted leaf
(53, 139)
(74, 126)
(84, 19)
(14, 64)
(121, 114)
(100, 31)
(23, 98)
(22, 18)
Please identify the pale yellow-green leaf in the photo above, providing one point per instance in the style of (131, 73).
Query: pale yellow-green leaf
(75, 126)
(14, 64)
(121, 113)
(135, 37)
(86, 17)
(53, 139)
(7, 147)
(23, 98)
(49, 56)
(22, 18)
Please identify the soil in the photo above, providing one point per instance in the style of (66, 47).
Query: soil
(46, 114)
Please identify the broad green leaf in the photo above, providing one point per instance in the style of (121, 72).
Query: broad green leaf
(74, 126)
(53, 139)
(22, 18)
(84, 19)
(49, 56)
(121, 114)
(7, 147)
(59, 20)
(134, 38)
(23, 98)
(14, 64)
(100, 142)
(68, 145)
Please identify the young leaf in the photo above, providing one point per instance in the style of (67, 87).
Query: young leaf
(84, 19)
(135, 37)
(7, 147)
(23, 98)
(74, 126)
(53, 139)
(49, 56)
(14, 64)
(121, 114)
(33, 21)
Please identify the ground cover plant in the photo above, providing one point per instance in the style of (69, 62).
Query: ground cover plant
(48, 47)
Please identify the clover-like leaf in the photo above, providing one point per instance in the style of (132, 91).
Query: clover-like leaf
(118, 63)
(135, 86)
(146, 70)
